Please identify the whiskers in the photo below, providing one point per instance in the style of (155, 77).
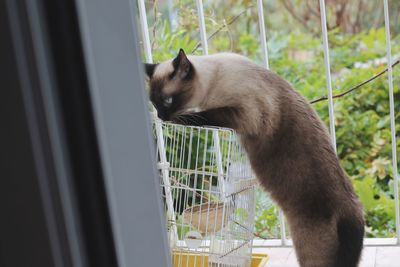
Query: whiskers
(178, 119)
(189, 118)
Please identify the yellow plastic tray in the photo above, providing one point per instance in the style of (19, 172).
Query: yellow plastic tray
(187, 259)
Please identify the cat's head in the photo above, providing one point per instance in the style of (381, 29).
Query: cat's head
(174, 86)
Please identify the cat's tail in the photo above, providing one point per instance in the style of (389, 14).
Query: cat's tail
(350, 234)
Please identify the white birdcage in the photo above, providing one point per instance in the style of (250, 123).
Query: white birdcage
(209, 194)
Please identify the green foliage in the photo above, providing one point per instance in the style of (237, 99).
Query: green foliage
(168, 43)
(266, 219)
(361, 117)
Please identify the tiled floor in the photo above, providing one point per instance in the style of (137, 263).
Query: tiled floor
(372, 257)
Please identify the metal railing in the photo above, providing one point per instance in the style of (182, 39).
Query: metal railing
(263, 42)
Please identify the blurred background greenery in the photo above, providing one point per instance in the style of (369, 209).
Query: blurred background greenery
(357, 52)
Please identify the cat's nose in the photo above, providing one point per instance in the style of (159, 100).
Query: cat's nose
(163, 115)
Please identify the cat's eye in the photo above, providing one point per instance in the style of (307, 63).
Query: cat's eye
(168, 101)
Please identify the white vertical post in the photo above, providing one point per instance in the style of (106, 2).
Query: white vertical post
(164, 166)
(282, 227)
(202, 26)
(392, 118)
(145, 31)
(328, 72)
(263, 36)
(171, 14)
(204, 45)
(159, 133)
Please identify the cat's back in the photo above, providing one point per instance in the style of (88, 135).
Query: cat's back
(223, 62)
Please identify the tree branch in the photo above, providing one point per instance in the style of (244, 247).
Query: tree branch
(290, 8)
(231, 21)
(356, 86)
(313, 11)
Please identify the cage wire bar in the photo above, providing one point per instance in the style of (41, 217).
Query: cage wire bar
(203, 36)
(392, 118)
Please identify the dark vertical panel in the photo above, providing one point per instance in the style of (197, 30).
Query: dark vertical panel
(24, 235)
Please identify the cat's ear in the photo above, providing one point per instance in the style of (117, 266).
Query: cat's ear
(149, 67)
(182, 66)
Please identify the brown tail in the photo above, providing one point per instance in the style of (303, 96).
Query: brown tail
(350, 234)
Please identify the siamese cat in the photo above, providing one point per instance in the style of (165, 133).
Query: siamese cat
(288, 146)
